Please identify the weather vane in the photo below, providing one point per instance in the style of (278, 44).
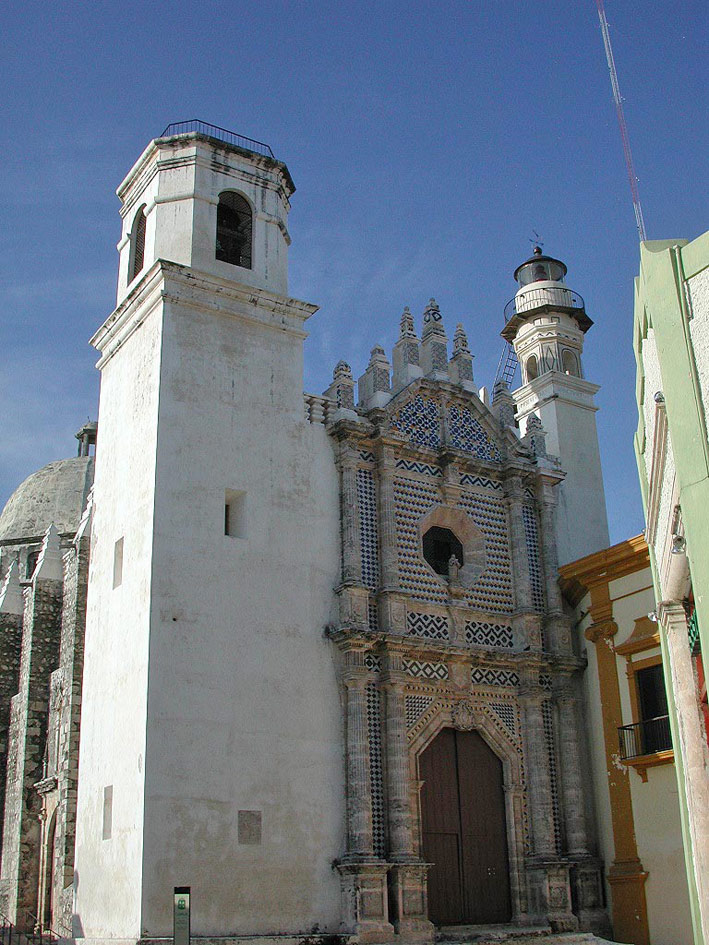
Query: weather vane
(536, 240)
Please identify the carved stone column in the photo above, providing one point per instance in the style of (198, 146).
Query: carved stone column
(392, 603)
(569, 757)
(354, 596)
(359, 796)
(558, 631)
(526, 623)
(541, 806)
(547, 876)
(587, 871)
(407, 876)
(692, 745)
(363, 877)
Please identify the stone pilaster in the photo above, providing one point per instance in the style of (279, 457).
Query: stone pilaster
(11, 611)
(541, 806)
(19, 879)
(71, 661)
(353, 595)
(407, 876)
(392, 603)
(359, 796)
(572, 797)
(526, 623)
(556, 623)
(692, 746)
(363, 877)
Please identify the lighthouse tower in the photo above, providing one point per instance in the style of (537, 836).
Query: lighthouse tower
(546, 323)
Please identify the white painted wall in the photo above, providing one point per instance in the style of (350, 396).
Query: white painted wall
(109, 872)
(565, 406)
(244, 711)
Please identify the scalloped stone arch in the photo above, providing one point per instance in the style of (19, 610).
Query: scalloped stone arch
(467, 533)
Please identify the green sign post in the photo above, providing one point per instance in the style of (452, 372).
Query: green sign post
(181, 915)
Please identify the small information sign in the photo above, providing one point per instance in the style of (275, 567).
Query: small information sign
(181, 915)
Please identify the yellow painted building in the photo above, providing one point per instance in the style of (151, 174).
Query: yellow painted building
(631, 759)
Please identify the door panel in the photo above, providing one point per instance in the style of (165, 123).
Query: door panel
(464, 830)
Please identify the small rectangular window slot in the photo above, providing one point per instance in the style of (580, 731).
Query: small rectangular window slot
(235, 514)
(118, 563)
(107, 812)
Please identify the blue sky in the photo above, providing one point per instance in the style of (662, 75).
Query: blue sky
(427, 141)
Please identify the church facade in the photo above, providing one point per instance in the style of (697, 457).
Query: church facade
(315, 646)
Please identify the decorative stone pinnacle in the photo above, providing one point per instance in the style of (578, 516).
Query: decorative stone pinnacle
(11, 598)
(432, 312)
(406, 325)
(533, 423)
(432, 320)
(500, 390)
(342, 369)
(460, 340)
(377, 355)
(49, 564)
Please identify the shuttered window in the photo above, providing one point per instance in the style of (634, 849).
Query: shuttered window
(138, 243)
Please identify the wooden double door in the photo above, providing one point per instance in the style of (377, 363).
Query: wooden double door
(464, 831)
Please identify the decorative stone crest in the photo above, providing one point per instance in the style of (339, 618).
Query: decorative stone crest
(463, 716)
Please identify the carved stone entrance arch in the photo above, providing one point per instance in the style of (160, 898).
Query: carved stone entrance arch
(470, 715)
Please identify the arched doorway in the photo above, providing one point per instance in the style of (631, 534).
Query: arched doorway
(464, 833)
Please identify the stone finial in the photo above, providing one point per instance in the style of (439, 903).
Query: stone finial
(375, 385)
(406, 356)
(49, 564)
(432, 319)
(503, 405)
(434, 344)
(12, 600)
(86, 516)
(535, 436)
(406, 325)
(460, 340)
(461, 364)
(341, 391)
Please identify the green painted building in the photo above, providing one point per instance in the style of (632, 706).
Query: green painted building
(671, 342)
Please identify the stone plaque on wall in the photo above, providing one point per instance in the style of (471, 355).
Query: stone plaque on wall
(249, 826)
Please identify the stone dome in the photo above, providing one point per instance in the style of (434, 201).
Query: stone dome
(56, 494)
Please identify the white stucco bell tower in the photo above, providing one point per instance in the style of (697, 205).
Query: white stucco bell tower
(546, 322)
(211, 750)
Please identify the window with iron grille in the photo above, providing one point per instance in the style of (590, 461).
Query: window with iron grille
(138, 239)
(234, 225)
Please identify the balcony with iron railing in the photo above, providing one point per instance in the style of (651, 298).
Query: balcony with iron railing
(645, 744)
(196, 127)
(557, 296)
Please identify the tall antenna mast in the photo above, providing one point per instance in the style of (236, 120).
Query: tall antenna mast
(621, 121)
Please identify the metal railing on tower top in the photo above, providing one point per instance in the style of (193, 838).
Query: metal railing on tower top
(195, 126)
(534, 297)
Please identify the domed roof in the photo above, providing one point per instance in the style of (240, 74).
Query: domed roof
(55, 494)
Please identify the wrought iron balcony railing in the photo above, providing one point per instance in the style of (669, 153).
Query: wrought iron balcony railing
(531, 298)
(221, 134)
(645, 738)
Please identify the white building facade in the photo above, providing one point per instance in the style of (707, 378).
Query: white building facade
(328, 680)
